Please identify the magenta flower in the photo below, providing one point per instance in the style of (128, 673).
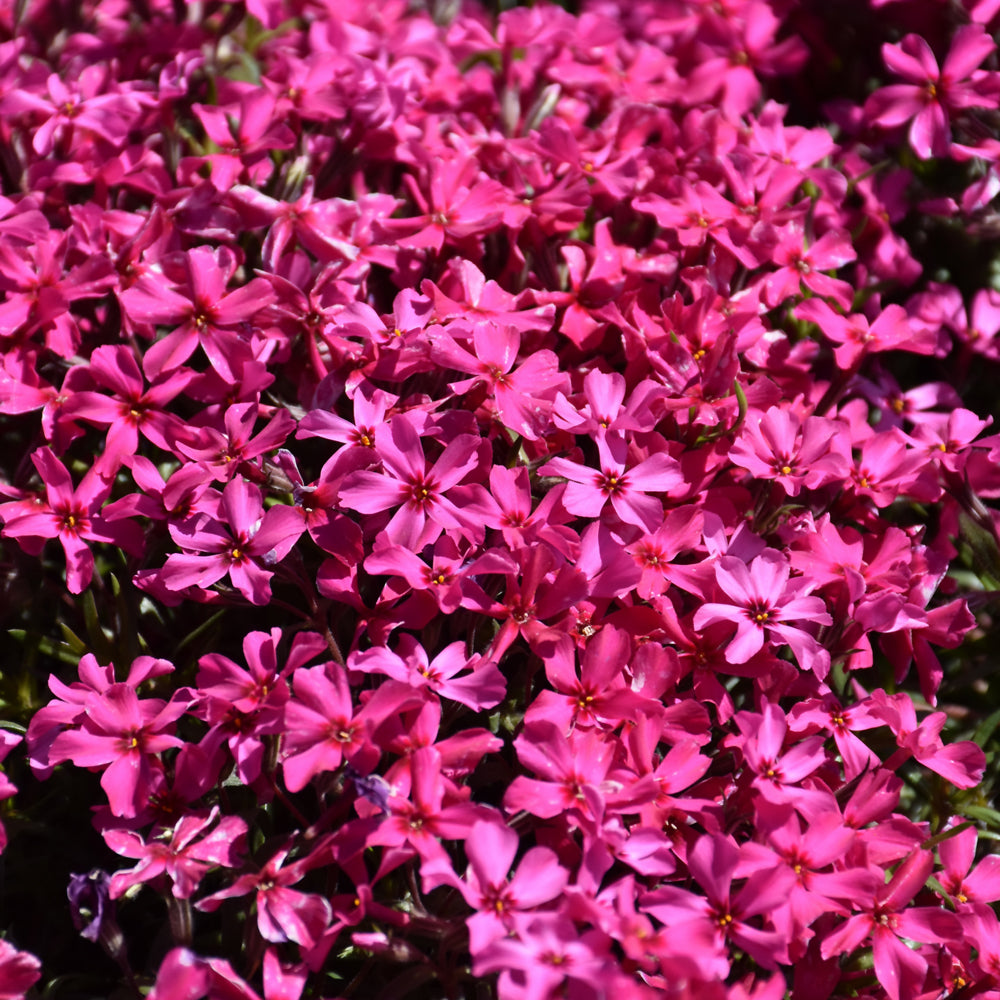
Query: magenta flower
(493, 892)
(458, 203)
(779, 770)
(122, 736)
(766, 605)
(475, 681)
(546, 950)
(72, 516)
(131, 409)
(283, 913)
(793, 453)
(242, 542)
(521, 395)
(725, 913)
(620, 482)
(800, 265)
(223, 451)
(19, 971)
(323, 728)
(416, 487)
(887, 919)
(969, 884)
(933, 94)
(419, 820)
(306, 220)
(192, 298)
(857, 337)
(184, 854)
(599, 695)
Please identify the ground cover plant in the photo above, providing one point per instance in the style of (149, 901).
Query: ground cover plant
(499, 501)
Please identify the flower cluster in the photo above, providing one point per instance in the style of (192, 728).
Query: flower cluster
(541, 400)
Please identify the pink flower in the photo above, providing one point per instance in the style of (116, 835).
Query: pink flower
(622, 483)
(967, 883)
(791, 452)
(19, 971)
(933, 93)
(283, 913)
(489, 887)
(521, 395)
(799, 265)
(418, 816)
(452, 674)
(459, 203)
(766, 604)
(72, 516)
(185, 853)
(131, 409)
(856, 337)
(323, 729)
(242, 542)
(723, 912)
(418, 488)
(192, 297)
(224, 451)
(886, 919)
(123, 737)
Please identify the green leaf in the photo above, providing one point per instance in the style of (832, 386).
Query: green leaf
(984, 814)
(986, 729)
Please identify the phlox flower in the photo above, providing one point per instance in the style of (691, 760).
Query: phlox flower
(799, 264)
(8, 741)
(68, 708)
(222, 450)
(967, 883)
(71, 514)
(842, 722)
(371, 407)
(242, 541)
(459, 203)
(19, 971)
(447, 583)
(624, 484)
(779, 770)
(886, 919)
(283, 913)
(191, 296)
(793, 453)
(122, 736)
(490, 888)
(418, 816)
(725, 913)
(961, 763)
(577, 772)
(524, 524)
(817, 854)
(766, 605)
(600, 695)
(65, 113)
(131, 410)
(466, 299)
(418, 488)
(856, 336)
(323, 728)
(246, 135)
(887, 466)
(521, 395)
(306, 220)
(545, 952)
(184, 853)
(482, 687)
(933, 93)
